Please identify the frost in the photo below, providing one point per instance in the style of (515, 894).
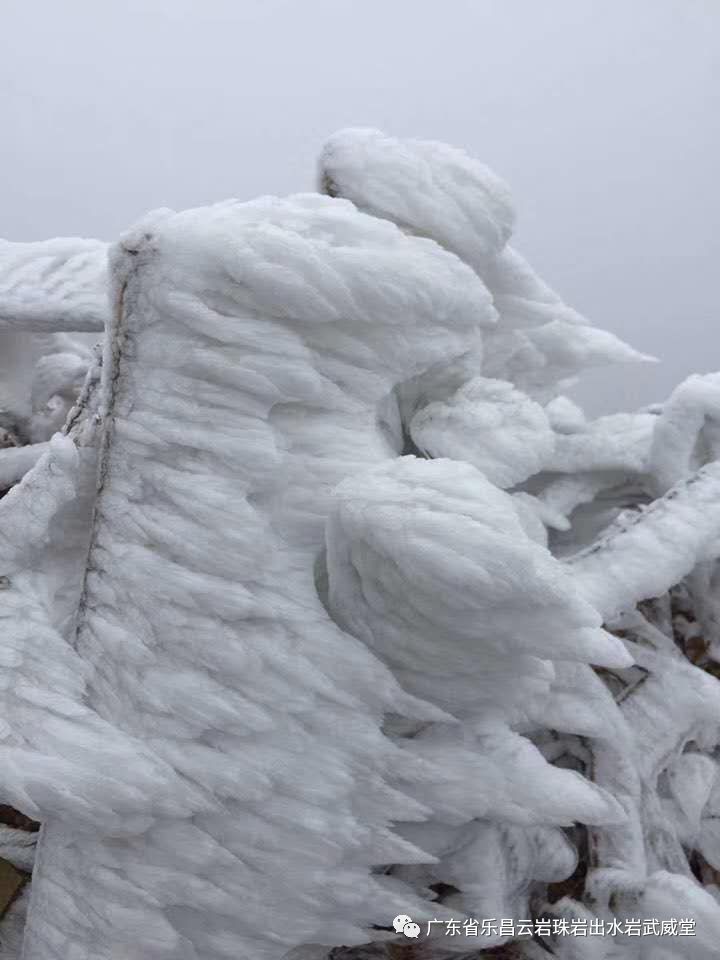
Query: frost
(686, 435)
(490, 424)
(323, 604)
(620, 442)
(678, 530)
(565, 416)
(16, 461)
(53, 285)
(221, 441)
(430, 188)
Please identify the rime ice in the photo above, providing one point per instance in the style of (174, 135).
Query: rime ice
(323, 604)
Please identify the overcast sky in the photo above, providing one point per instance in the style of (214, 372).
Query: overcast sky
(601, 114)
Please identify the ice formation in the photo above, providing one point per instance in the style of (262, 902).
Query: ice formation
(324, 605)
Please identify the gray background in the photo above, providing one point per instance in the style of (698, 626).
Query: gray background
(601, 114)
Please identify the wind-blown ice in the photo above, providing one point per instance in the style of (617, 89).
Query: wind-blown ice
(424, 186)
(433, 190)
(619, 442)
(416, 523)
(47, 287)
(16, 461)
(58, 757)
(490, 424)
(53, 285)
(425, 559)
(679, 531)
(250, 349)
(687, 432)
(270, 675)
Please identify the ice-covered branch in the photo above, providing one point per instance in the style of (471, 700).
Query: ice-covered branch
(16, 461)
(677, 531)
(689, 419)
(51, 286)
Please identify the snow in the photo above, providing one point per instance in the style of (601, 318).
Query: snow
(490, 424)
(457, 530)
(564, 415)
(430, 188)
(323, 604)
(677, 531)
(49, 286)
(16, 461)
(425, 558)
(670, 897)
(684, 437)
(226, 428)
(620, 442)
(58, 757)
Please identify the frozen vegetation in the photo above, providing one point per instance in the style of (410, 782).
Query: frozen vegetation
(322, 604)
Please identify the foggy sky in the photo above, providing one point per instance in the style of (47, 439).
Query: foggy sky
(601, 114)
